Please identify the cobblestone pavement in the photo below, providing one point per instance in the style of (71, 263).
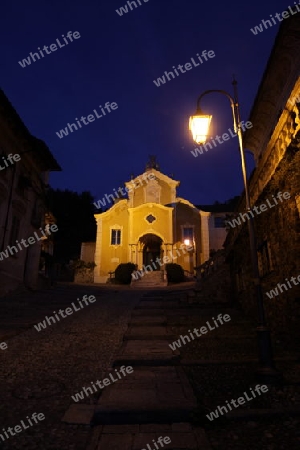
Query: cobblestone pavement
(40, 371)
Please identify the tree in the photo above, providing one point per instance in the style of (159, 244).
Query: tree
(75, 220)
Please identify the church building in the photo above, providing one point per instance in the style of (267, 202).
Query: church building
(150, 228)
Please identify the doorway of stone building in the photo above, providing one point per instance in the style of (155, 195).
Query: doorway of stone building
(151, 250)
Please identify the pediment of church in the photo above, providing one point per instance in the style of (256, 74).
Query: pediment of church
(151, 187)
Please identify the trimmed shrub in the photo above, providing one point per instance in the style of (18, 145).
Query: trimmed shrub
(123, 273)
(79, 264)
(175, 273)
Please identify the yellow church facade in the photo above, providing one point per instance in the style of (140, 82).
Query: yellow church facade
(150, 228)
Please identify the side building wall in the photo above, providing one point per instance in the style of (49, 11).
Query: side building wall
(275, 143)
(22, 200)
(278, 237)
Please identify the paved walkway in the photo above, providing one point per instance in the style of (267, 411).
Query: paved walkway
(167, 393)
(155, 400)
(40, 371)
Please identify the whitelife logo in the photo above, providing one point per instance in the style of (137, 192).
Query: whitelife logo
(133, 185)
(241, 401)
(258, 209)
(86, 391)
(188, 66)
(3, 345)
(9, 160)
(267, 23)
(53, 47)
(203, 330)
(18, 428)
(90, 118)
(220, 139)
(124, 9)
(137, 274)
(30, 241)
(161, 441)
(68, 311)
(274, 292)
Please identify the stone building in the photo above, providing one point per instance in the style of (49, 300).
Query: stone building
(219, 212)
(25, 163)
(149, 228)
(274, 140)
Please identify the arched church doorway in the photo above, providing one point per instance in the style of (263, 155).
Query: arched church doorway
(151, 250)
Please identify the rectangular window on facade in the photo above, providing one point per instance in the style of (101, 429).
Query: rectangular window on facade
(115, 238)
(188, 233)
(219, 222)
(15, 228)
(264, 259)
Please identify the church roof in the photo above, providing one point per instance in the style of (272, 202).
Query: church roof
(142, 179)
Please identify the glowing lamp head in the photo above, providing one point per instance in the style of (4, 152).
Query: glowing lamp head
(186, 242)
(199, 126)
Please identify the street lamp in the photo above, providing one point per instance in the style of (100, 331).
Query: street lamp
(199, 125)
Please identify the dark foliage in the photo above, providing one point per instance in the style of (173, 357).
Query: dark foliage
(123, 273)
(175, 273)
(74, 215)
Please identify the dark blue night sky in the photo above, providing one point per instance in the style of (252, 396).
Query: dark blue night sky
(116, 59)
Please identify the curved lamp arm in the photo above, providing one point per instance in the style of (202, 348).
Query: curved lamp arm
(234, 106)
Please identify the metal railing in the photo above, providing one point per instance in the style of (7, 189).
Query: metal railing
(211, 265)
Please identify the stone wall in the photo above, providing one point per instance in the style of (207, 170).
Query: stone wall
(280, 227)
(84, 275)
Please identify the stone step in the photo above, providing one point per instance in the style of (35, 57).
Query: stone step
(136, 437)
(153, 274)
(148, 333)
(156, 294)
(150, 284)
(146, 353)
(148, 320)
(155, 305)
(161, 298)
(150, 279)
(147, 312)
(152, 395)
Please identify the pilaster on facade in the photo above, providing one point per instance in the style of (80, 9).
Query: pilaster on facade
(204, 235)
(98, 251)
(173, 194)
(131, 193)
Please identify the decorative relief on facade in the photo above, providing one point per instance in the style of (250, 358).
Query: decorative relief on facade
(150, 218)
(115, 260)
(273, 156)
(152, 192)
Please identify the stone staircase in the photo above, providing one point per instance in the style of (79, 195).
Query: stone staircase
(150, 279)
(156, 399)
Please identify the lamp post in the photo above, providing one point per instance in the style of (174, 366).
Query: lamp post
(199, 125)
